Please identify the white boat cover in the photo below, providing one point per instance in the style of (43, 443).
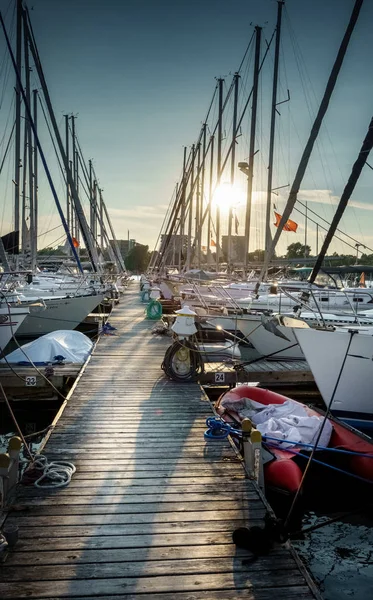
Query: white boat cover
(56, 347)
(287, 421)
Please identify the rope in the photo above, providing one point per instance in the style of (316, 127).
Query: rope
(324, 464)
(319, 435)
(53, 474)
(154, 310)
(192, 360)
(219, 429)
(340, 450)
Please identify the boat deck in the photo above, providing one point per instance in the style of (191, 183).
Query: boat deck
(151, 508)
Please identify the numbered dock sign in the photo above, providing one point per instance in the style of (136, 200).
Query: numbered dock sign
(30, 380)
(219, 377)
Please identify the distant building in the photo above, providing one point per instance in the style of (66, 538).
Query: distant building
(124, 246)
(237, 247)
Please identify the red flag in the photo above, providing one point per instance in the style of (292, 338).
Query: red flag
(212, 243)
(75, 242)
(289, 225)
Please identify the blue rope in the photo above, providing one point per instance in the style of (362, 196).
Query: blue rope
(338, 450)
(324, 464)
(219, 429)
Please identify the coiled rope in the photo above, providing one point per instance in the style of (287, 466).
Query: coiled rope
(182, 361)
(154, 310)
(48, 475)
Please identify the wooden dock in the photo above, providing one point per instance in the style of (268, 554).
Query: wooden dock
(149, 514)
(265, 372)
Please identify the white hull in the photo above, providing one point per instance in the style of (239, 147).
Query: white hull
(11, 319)
(341, 361)
(266, 342)
(59, 313)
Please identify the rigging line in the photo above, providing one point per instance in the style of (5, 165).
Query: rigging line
(328, 223)
(49, 230)
(7, 147)
(246, 52)
(52, 140)
(325, 229)
(309, 462)
(320, 146)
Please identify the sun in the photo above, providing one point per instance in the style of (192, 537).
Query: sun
(227, 196)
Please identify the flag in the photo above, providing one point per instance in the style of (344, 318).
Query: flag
(289, 225)
(212, 243)
(362, 281)
(75, 242)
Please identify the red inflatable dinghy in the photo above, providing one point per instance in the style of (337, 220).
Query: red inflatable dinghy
(284, 473)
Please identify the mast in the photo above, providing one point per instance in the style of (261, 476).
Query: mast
(17, 149)
(67, 150)
(28, 145)
(182, 214)
(212, 142)
(190, 216)
(218, 162)
(28, 111)
(202, 195)
(268, 237)
(76, 200)
(34, 239)
(233, 166)
(346, 195)
(197, 235)
(313, 135)
(250, 170)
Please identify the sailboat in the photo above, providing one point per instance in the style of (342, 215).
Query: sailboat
(51, 301)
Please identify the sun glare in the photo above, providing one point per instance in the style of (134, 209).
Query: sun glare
(227, 196)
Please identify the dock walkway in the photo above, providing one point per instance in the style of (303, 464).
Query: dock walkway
(150, 511)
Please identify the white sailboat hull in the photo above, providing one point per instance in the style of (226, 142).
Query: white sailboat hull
(11, 319)
(59, 313)
(341, 363)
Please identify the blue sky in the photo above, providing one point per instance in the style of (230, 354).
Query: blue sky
(139, 74)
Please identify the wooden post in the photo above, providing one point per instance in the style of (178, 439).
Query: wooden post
(9, 463)
(252, 451)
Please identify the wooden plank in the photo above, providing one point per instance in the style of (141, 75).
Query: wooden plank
(149, 568)
(281, 593)
(107, 555)
(92, 588)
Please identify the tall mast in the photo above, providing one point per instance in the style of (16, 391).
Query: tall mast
(314, 133)
(77, 204)
(28, 142)
(250, 173)
(211, 179)
(190, 216)
(218, 158)
(233, 165)
(67, 150)
(34, 239)
(74, 222)
(197, 235)
(346, 195)
(268, 237)
(101, 215)
(202, 194)
(17, 152)
(182, 213)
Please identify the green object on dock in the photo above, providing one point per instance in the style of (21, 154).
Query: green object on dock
(154, 310)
